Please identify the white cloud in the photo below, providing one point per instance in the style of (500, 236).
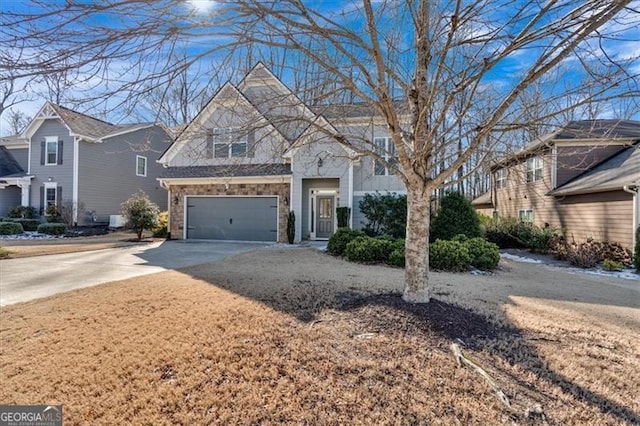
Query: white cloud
(201, 6)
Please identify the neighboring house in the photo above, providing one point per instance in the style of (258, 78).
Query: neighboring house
(14, 161)
(256, 151)
(83, 163)
(583, 179)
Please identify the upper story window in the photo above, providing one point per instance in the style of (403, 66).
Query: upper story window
(534, 169)
(141, 165)
(51, 150)
(229, 142)
(501, 178)
(387, 150)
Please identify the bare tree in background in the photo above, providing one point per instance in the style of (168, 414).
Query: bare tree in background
(17, 120)
(434, 71)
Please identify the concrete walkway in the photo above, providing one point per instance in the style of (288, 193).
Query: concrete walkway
(31, 278)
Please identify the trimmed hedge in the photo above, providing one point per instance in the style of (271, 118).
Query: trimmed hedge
(52, 228)
(11, 228)
(513, 233)
(484, 254)
(451, 256)
(27, 224)
(338, 242)
(367, 249)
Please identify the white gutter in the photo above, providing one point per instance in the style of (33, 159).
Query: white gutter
(636, 210)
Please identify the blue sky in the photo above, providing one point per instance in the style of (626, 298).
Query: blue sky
(625, 47)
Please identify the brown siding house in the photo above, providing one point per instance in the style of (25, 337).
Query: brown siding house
(582, 179)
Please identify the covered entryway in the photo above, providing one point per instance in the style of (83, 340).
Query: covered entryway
(232, 218)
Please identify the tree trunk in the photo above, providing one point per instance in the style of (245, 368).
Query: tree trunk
(417, 289)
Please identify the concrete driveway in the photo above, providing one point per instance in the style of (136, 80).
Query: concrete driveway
(41, 276)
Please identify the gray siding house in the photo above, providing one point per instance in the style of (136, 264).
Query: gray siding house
(256, 152)
(93, 166)
(14, 162)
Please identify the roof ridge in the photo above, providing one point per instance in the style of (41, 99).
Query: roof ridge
(84, 114)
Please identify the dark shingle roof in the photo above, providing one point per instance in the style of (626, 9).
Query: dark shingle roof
(8, 165)
(612, 174)
(84, 125)
(234, 170)
(581, 129)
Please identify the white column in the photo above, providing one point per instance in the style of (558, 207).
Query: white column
(24, 187)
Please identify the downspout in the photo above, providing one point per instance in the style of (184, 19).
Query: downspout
(636, 209)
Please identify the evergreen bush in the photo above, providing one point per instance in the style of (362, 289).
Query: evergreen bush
(455, 216)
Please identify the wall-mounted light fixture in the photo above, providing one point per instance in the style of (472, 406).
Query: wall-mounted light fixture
(50, 179)
(320, 162)
(286, 200)
(176, 199)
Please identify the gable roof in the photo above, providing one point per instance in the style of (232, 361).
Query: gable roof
(8, 164)
(276, 102)
(623, 168)
(580, 130)
(80, 124)
(201, 117)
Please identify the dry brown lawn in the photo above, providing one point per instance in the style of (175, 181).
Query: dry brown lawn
(316, 340)
(29, 248)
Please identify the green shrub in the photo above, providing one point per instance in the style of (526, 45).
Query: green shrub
(612, 265)
(141, 213)
(636, 257)
(367, 249)
(52, 228)
(27, 224)
(10, 228)
(397, 258)
(385, 213)
(342, 215)
(291, 227)
(512, 233)
(22, 212)
(338, 242)
(455, 216)
(449, 256)
(162, 228)
(484, 254)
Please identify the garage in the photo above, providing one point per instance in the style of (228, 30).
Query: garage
(232, 218)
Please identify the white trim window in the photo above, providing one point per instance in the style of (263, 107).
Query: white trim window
(534, 169)
(229, 142)
(141, 166)
(501, 178)
(385, 149)
(50, 195)
(526, 215)
(51, 151)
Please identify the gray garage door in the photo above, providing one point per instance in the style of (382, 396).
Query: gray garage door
(232, 218)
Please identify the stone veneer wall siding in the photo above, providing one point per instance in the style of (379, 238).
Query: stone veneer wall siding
(177, 210)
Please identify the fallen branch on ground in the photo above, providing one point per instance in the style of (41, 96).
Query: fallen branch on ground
(461, 359)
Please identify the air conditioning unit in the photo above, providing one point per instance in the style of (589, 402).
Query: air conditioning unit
(116, 221)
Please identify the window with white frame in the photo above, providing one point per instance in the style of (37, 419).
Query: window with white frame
(229, 142)
(501, 178)
(386, 150)
(526, 215)
(50, 195)
(141, 165)
(51, 151)
(534, 169)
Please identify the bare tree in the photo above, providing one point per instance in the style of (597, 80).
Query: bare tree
(449, 79)
(17, 120)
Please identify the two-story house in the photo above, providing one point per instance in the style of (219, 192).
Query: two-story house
(256, 152)
(14, 162)
(87, 164)
(582, 179)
